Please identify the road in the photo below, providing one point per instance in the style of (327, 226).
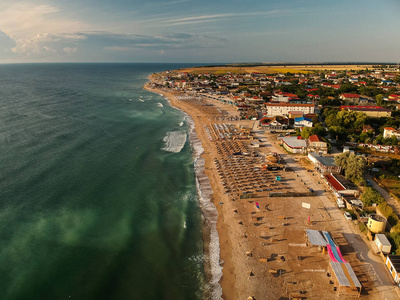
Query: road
(374, 265)
(389, 199)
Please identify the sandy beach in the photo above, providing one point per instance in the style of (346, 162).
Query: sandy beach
(262, 233)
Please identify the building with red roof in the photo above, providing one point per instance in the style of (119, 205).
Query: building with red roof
(368, 128)
(317, 145)
(390, 131)
(352, 98)
(340, 185)
(394, 97)
(370, 111)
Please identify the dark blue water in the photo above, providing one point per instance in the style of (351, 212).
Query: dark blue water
(97, 188)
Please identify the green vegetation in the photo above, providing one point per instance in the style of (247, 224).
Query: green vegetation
(362, 227)
(370, 196)
(353, 165)
(318, 129)
(394, 239)
(389, 213)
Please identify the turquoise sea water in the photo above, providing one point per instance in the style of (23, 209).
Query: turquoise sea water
(98, 196)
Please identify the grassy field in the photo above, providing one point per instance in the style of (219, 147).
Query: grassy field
(391, 185)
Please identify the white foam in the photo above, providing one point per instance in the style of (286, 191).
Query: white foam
(208, 209)
(175, 141)
(209, 212)
(159, 104)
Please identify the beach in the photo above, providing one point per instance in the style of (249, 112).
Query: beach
(261, 219)
(200, 119)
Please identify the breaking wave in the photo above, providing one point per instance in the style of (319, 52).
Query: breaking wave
(174, 141)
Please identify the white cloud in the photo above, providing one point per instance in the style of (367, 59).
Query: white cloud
(23, 19)
(215, 17)
(86, 43)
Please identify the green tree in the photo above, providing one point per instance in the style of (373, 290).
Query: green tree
(318, 129)
(370, 196)
(363, 136)
(331, 120)
(306, 132)
(379, 99)
(353, 165)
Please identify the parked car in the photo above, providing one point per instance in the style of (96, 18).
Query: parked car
(348, 216)
(369, 183)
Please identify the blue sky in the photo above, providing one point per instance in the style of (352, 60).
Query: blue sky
(218, 31)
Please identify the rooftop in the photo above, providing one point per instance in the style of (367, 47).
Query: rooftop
(290, 104)
(383, 239)
(315, 138)
(328, 161)
(316, 237)
(294, 142)
(377, 218)
(351, 95)
(345, 274)
(302, 119)
(395, 259)
(334, 183)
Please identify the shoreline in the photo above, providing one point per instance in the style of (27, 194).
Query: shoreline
(264, 251)
(212, 224)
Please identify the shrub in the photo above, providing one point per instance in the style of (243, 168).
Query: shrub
(388, 212)
(394, 239)
(362, 226)
(370, 196)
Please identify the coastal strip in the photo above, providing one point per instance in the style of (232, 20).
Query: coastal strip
(212, 261)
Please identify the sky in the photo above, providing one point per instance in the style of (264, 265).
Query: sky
(192, 31)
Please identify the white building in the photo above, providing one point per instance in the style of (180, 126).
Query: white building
(283, 109)
(302, 122)
(389, 132)
(294, 144)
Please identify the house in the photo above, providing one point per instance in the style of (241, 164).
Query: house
(283, 97)
(294, 144)
(283, 109)
(302, 122)
(393, 264)
(394, 97)
(254, 100)
(390, 131)
(316, 144)
(353, 202)
(352, 98)
(368, 128)
(295, 114)
(340, 185)
(275, 123)
(324, 164)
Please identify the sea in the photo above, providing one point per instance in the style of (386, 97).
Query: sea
(100, 188)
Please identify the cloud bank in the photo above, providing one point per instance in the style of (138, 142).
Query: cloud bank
(86, 44)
